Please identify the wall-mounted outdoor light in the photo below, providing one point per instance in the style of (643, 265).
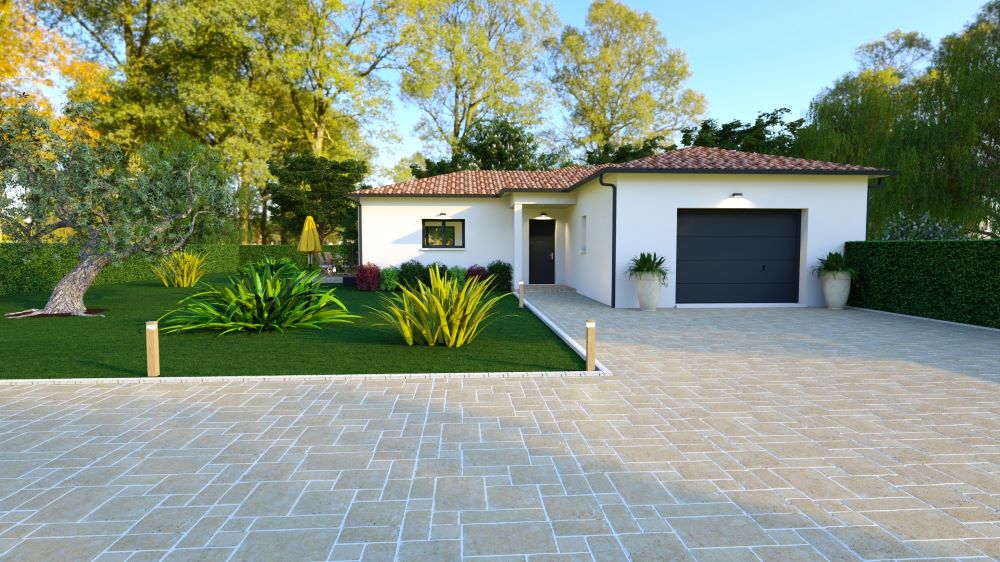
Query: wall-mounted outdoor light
(737, 196)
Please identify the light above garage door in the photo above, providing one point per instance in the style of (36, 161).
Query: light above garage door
(737, 256)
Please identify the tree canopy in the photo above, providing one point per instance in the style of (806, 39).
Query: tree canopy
(769, 133)
(619, 81)
(494, 144)
(313, 185)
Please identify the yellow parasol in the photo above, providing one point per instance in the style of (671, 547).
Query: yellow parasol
(309, 241)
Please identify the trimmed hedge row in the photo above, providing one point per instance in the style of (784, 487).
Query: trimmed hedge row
(37, 267)
(956, 280)
(249, 254)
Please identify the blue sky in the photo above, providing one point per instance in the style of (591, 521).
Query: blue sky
(748, 56)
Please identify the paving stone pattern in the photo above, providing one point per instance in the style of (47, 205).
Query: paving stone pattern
(751, 434)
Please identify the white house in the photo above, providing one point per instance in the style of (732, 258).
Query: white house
(735, 227)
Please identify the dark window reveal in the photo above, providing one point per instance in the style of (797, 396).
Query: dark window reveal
(444, 234)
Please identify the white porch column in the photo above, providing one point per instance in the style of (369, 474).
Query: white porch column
(519, 270)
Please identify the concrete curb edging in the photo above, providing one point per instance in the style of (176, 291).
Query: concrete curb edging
(939, 321)
(301, 378)
(573, 344)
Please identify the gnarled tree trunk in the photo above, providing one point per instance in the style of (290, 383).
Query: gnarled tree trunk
(67, 296)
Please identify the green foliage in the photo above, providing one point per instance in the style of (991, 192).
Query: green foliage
(956, 280)
(922, 227)
(502, 274)
(271, 267)
(768, 134)
(411, 273)
(442, 312)
(471, 59)
(613, 153)
(35, 266)
(271, 296)
(389, 279)
(647, 262)
(457, 273)
(619, 81)
(491, 144)
(316, 186)
(180, 269)
(253, 253)
(834, 262)
(937, 124)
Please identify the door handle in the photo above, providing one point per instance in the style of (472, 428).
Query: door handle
(552, 256)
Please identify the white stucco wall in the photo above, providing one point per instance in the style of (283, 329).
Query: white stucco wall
(391, 230)
(834, 211)
(587, 271)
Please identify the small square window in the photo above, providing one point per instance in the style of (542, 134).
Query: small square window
(443, 233)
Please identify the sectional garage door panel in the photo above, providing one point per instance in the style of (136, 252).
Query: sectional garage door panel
(737, 256)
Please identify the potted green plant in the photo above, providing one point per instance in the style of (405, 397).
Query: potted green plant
(836, 274)
(649, 273)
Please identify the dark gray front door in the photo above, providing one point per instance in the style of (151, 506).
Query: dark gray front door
(542, 252)
(737, 256)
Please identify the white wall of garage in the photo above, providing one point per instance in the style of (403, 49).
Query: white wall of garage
(834, 211)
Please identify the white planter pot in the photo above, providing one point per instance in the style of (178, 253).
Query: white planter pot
(647, 287)
(836, 289)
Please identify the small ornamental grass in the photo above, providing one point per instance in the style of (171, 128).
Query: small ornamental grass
(266, 296)
(443, 312)
(180, 269)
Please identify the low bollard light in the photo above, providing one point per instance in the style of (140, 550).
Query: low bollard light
(520, 294)
(152, 349)
(591, 344)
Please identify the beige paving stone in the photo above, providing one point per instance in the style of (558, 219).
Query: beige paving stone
(50, 549)
(289, 546)
(459, 492)
(423, 551)
(655, 546)
(871, 542)
(921, 524)
(508, 538)
(720, 531)
(271, 498)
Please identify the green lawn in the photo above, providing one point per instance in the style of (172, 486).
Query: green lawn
(114, 346)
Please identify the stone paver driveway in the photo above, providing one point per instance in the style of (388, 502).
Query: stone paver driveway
(772, 434)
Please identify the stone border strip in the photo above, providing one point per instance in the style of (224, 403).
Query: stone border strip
(300, 378)
(573, 344)
(939, 321)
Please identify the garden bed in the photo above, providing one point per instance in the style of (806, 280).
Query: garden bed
(113, 346)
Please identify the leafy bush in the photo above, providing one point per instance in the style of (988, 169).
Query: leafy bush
(648, 262)
(457, 273)
(956, 280)
(180, 269)
(411, 272)
(442, 312)
(502, 274)
(390, 277)
(368, 278)
(920, 227)
(262, 297)
(834, 262)
(343, 254)
(271, 267)
(36, 267)
(477, 271)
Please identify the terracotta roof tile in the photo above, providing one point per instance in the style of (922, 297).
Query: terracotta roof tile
(493, 183)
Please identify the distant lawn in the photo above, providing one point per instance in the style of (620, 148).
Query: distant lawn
(115, 346)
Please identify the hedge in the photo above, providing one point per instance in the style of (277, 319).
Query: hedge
(344, 254)
(956, 280)
(37, 267)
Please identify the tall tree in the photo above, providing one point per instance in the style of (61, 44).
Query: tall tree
(618, 79)
(118, 204)
(313, 185)
(614, 153)
(474, 59)
(493, 144)
(770, 133)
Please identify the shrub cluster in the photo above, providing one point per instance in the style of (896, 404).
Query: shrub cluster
(502, 273)
(390, 279)
(956, 280)
(368, 278)
(269, 295)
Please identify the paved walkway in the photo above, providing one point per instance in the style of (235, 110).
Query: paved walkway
(780, 434)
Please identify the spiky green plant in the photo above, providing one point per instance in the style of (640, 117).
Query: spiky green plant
(443, 312)
(261, 298)
(180, 269)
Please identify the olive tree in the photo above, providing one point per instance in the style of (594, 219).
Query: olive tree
(116, 204)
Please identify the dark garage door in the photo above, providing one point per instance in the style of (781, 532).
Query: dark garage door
(737, 256)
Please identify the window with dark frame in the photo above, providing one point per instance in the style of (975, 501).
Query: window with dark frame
(443, 233)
